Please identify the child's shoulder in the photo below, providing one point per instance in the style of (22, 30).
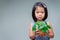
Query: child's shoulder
(49, 23)
(31, 23)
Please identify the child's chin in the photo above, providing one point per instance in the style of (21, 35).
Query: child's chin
(40, 19)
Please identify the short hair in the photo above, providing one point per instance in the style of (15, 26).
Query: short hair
(41, 4)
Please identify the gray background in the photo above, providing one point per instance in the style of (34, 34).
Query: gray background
(15, 17)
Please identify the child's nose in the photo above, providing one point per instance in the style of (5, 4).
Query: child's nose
(40, 13)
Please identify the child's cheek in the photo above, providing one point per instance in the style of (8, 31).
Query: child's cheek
(43, 15)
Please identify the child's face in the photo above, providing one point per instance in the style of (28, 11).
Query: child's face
(39, 13)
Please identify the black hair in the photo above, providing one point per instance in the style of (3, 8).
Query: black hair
(41, 4)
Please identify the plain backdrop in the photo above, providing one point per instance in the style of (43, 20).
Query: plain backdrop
(15, 17)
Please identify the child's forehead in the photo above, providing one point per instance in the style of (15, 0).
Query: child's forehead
(39, 8)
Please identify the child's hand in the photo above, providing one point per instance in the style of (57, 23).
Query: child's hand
(37, 32)
(40, 33)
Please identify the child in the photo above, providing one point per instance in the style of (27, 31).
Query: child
(40, 13)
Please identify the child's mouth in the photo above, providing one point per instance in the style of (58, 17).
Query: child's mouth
(40, 17)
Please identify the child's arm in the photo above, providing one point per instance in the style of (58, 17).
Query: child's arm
(31, 33)
(50, 32)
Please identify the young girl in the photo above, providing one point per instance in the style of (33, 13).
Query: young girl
(40, 13)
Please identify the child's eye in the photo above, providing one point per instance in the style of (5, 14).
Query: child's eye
(42, 12)
(37, 12)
